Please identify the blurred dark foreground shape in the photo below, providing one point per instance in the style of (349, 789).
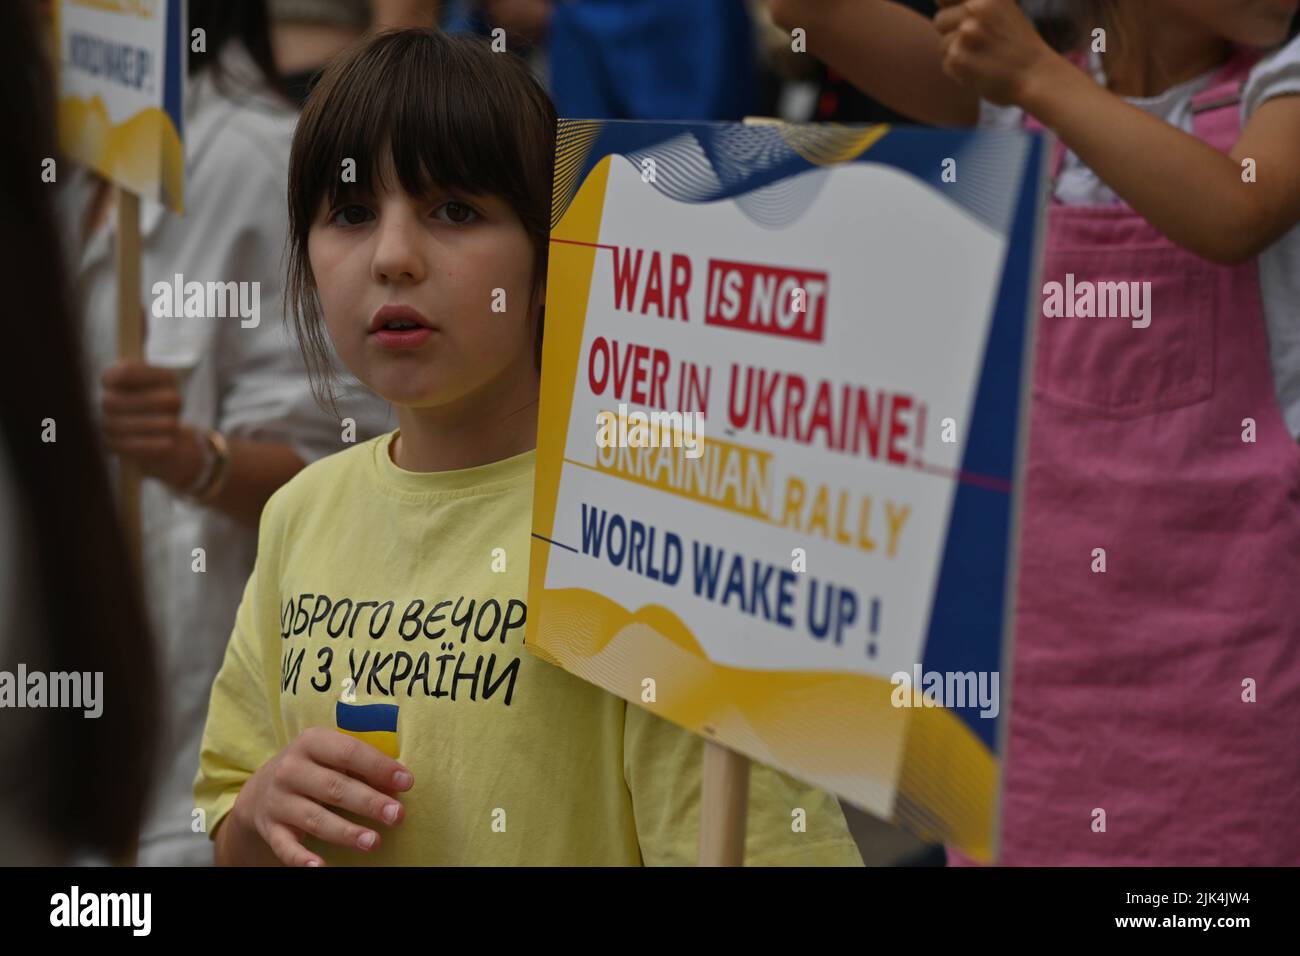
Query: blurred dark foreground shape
(71, 786)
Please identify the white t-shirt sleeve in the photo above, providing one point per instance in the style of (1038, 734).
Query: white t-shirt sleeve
(1276, 75)
(1279, 264)
(993, 116)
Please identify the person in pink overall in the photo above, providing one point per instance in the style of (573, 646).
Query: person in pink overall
(1155, 707)
(1130, 695)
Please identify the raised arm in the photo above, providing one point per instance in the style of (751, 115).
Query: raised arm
(1151, 165)
(886, 50)
(1232, 219)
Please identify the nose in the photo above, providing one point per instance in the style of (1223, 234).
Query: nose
(398, 255)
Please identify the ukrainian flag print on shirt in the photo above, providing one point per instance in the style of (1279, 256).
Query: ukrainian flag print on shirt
(375, 724)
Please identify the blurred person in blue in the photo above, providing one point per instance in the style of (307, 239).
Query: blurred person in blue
(630, 59)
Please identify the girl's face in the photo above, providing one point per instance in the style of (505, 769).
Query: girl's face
(462, 263)
(1255, 23)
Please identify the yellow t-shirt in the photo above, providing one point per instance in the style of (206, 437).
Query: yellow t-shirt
(386, 577)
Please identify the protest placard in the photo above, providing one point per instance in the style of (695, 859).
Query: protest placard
(783, 400)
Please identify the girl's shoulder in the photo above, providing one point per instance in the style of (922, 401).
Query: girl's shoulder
(1276, 74)
(327, 483)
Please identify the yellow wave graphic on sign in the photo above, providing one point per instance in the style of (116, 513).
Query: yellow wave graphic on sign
(840, 729)
(142, 153)
(828, 145)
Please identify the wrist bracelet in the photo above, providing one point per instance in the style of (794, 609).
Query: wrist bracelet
(207, 459)
(216, 479)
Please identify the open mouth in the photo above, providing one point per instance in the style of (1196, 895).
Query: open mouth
(400, 327)
(398, 318)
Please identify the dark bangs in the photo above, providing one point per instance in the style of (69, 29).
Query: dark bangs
(452, 114)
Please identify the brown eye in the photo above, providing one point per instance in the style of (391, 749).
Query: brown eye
(352, 215)
(456, 212)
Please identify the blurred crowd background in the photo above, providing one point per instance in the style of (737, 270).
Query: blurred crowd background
(119, 788)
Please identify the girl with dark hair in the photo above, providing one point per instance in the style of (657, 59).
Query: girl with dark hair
(218, 414)
(375, 681)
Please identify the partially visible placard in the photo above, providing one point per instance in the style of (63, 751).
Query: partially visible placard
(121, 66)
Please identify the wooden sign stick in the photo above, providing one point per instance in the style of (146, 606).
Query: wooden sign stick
(724, 801)
(130, 344)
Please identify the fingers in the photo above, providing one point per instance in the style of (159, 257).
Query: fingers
(950, 18)
(136, 374)
(300, 798)
(150, 401)
(961, 26)
(287, 849)
(310, 817)
(960, 34)
(142, 436)
(338, 790)
(313, 773)
(141, 410)
(342, 752)
(125, 427)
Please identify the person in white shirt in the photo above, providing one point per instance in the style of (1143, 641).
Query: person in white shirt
(220, 412)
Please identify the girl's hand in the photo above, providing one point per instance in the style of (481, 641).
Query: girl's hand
(990, 46)
(141, 405)
(287, 796)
